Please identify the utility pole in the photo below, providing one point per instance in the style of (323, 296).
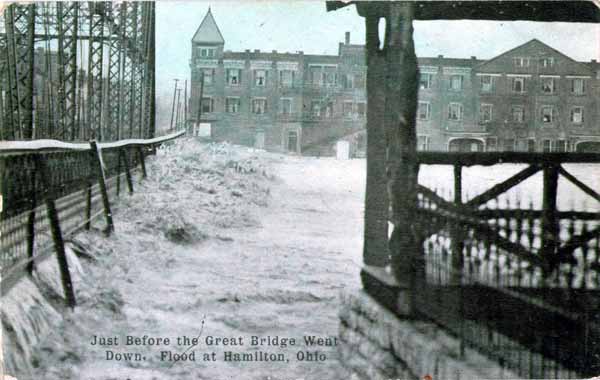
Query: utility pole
(185, 110)
(173, 108)
(177, 121)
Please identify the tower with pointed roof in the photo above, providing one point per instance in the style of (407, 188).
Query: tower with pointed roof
(208, 41)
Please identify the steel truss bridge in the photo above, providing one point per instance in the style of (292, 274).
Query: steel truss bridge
(77, 71)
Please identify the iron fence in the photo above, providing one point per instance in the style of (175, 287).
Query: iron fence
(52, 190)
(517, 283)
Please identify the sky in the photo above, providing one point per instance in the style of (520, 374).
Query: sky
(305, 25)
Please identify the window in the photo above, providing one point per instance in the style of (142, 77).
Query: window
(546, 62)
(546, 146)
(509, 145)
(315, 108)
(561, 146)
(208, 104)
(232, 105)
(521, 62)
(329, 76)
(425, 81)
(578, 86)
(361, 109)
(531, 145)
(234, 77)
(359, 80)
(292, 143)
(285, 106)
(487, 83)
(260, 78)
(423, 110)
(348, 108)
(329, 109)
(518, 114)
(208, 76)
(456, 82)
(547, 114)
(207, 52)
(577, 115)
(491, 144)
(518, 85)
(259, 106)
(455, 111)
(348, 81)
(485, 113)
(548, 85)
(286, 78)
(422, 142)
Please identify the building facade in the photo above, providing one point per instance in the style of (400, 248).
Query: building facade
(531, 98)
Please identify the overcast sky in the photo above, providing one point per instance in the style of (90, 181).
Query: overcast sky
(305, 25)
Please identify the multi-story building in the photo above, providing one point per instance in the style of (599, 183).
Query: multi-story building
(531, 98)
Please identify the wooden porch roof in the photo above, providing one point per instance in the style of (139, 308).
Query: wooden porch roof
(587, 11)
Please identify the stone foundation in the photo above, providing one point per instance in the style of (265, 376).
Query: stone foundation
(376, 344)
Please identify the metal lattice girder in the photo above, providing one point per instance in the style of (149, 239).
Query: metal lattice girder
(95, 55)
(149, 70)
(138, 75)
(67, 25)
(127, 95)
(20, 29)
(5, 122)
(112, 120)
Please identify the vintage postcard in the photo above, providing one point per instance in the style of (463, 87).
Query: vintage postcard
(299, 190)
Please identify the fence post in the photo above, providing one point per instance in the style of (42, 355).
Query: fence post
(88, 205)
(57, 238)
(31, 223)
(457, 242)
(142, 161)
(127, 172)
(97, 159)
(550, 225)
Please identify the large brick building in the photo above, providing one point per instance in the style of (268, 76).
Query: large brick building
(531, 98)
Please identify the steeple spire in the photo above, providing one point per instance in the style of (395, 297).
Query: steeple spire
(208, 32)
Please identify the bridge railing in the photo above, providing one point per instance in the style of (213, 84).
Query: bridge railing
(517, 283)
(51, 189)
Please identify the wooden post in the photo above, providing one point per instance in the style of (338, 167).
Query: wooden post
(31, 224)
(401, 83)
(550, 226)
(57, 237)
(88, 206)
(142, 161)
(127, 172)
(97, 160)
(375, 246)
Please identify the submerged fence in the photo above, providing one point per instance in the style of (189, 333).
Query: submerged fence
(52, 189)
(519, 284)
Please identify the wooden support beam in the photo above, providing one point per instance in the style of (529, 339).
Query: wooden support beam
(550, 226)
(31, 224)
(503, 186)
(55, 230)
(375, 246)
(123, 155)
(585, 188)
(142, 161)
(97, 161)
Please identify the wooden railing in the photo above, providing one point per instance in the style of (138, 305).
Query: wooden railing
(517, 283)
(51, 189)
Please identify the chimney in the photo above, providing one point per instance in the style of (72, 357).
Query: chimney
(247, 50)
(474, 58)
(347, 38)
(440, 56)
(274, 51)
(594, 61)
(257, 50)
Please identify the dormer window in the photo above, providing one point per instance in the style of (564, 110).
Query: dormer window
(546, 62)
(207, 53)
(521, 62)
